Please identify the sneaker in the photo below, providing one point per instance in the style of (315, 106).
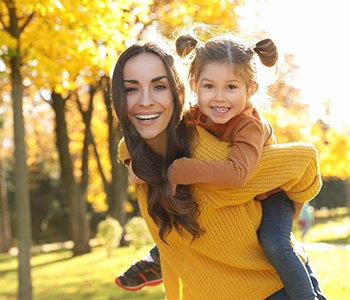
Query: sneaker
(142, 274)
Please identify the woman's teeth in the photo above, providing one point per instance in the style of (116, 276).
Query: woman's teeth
(147, 117)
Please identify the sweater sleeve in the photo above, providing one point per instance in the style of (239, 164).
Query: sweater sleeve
(293, 166)
(123, 154)
(243, 158)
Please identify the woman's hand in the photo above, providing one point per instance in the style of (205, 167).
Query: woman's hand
(297, 207)
(265, 195)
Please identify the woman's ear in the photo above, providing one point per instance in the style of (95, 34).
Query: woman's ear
(252, 88)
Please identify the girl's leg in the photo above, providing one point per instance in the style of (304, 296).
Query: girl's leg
(146, 272)
(275, 235)
(314, 281)
(154, 253)
(282, 294)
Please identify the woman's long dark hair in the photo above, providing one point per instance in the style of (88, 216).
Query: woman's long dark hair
(167, 211)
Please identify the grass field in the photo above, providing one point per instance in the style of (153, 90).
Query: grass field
(56, 275)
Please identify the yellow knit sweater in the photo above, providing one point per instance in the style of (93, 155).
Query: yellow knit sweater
(227, 261)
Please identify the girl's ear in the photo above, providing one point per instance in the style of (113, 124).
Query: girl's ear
(252, 88)
(193, 85)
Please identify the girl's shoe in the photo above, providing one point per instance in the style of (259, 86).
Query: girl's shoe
(139, 275)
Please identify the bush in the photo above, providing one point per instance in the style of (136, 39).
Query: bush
(137, 232)
(109, 232)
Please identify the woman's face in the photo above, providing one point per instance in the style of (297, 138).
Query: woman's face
(149, 97)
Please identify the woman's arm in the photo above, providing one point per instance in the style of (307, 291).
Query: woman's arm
(294, 167)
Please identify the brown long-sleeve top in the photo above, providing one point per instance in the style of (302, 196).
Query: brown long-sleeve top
(248, 133)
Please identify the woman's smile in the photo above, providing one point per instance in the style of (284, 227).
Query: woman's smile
(147, 118)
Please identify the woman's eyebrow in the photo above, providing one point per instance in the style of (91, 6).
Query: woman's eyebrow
(131, 80)
(159, 78)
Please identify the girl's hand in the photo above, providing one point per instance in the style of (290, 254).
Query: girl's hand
(134, 179)
(170, 176)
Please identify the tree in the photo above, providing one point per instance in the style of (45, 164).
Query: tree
(15, 27)
(5, 230)
(80, 35)
(171, 14)
(291, 122)
(79, 225)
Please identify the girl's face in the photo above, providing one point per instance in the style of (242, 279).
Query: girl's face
(149, 97)
(221, 94)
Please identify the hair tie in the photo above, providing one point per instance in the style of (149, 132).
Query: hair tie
(198, 45)
(252, 48)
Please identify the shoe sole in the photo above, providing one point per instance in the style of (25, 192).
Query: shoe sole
(139, 287)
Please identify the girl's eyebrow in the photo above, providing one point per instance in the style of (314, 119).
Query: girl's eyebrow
(232, 80)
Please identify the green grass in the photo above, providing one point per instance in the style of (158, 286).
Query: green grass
(58, 275)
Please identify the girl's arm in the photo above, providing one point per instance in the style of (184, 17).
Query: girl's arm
(294, 167)
(234, 172)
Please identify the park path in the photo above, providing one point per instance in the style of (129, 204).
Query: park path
(69, 245)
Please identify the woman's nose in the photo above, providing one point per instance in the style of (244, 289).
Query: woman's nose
(146, 99)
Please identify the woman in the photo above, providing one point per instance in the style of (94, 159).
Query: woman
(206, 234)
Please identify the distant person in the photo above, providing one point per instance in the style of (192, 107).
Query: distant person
(306, 219)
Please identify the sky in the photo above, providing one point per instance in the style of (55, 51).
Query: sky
(317, 33)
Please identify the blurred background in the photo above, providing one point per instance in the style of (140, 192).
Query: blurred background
(59, 173)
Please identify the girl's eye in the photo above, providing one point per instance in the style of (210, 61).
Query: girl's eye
(208, 86)
(231, 87)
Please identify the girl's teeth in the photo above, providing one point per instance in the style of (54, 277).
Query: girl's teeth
(220, 109)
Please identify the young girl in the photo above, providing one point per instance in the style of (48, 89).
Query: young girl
(223, 76)
(228, 248)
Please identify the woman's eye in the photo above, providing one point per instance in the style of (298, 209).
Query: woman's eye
(130, 90)
(208, 86)
(160, 87)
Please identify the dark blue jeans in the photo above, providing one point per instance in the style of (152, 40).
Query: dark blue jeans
(282, 294)
(274, 235)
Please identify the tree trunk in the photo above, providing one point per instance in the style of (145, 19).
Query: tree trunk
(5, 228)
(78, 217)
(347, 195)
(23, 215)
(117, 190)
(119, 182)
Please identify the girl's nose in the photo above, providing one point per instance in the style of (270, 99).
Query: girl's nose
(219, 96)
